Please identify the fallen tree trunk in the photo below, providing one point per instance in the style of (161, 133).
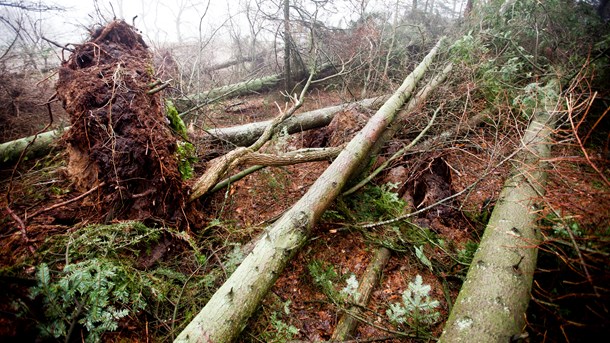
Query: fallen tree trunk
(235, 89)
(246, 87)
(244, 135)
(231, 63)
(348, 322)
(225, 314)
(10, 151)
(492, 302)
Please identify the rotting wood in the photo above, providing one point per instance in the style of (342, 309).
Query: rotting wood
(225, 314)
(347, 324)
(492, 302)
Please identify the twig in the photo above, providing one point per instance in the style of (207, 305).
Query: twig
(65, 47)
(61, 204)
(158, 89)
(21, 226)
(395, 156)
(580, 144)
(217, 170)
(175, 314)
(409, 215)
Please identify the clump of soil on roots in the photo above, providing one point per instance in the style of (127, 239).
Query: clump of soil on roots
(120, 140)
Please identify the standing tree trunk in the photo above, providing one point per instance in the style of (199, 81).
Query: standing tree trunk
(224, 316)
(492, 302)
(287, 69)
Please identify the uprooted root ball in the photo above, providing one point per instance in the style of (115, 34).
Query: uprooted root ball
(119, 135)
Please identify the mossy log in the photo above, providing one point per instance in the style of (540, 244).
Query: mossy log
(492, 302)
(37, 145)
(235, 89)
(225, 314)
(240, 88)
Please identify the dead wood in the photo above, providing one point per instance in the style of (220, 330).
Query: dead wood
(348, 323)
(225, 314)
(244, 135)
(241, 135)
(492, 302)
(219, 166)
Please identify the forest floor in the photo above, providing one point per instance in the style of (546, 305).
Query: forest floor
(568, 301)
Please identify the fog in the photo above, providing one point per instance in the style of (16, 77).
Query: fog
(217, 27)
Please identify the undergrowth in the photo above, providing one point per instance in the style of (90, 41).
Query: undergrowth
(101, 282)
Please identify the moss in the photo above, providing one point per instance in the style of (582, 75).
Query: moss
(175, 121)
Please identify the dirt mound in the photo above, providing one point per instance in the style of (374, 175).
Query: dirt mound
(119, 135)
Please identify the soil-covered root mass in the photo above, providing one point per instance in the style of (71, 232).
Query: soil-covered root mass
(119, 137)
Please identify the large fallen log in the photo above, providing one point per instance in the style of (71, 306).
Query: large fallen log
(241, 88)
(241, 135)
(492, 302)
(225, 314)
(233, 62)
(244, 135)
(235, 89)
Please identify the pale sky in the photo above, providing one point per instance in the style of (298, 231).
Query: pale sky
(157, 18)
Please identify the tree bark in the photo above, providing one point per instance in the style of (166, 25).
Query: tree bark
(244, 135)
(241, 88)
(287, 47)
(235, 89)
(10, 151)
(231, 63)
(492, 302)
(225, 314)
(348, 323)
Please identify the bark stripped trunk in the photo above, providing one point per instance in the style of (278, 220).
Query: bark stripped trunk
(492, 302)
(225, 314)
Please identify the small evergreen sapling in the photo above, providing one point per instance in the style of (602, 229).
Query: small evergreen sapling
(417, 309)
